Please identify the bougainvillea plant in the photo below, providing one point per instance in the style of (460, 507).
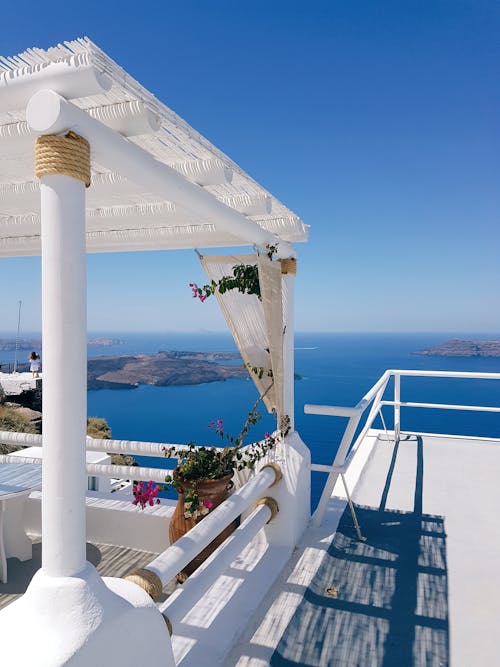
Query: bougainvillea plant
(145, 493)
(201, 463)
(244, 278)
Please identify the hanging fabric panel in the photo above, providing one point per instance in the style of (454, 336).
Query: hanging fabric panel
(272, 303)
(244, 314)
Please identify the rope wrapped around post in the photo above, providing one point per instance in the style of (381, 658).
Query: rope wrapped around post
(68, 155)
(289, 266)
(148, 581)
(151, 583)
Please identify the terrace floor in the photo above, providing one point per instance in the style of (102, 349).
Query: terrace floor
(421, 590)
(110, 561)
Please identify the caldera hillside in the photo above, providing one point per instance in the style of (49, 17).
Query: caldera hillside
(464, 348)
(168, 367)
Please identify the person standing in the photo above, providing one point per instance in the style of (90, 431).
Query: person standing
(35, 364)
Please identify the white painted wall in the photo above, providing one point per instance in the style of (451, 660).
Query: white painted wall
(112, 519)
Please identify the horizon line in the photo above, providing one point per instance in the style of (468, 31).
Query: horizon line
(103, 332)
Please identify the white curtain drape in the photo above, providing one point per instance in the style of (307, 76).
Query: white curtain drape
(272, 305)
(256, 326)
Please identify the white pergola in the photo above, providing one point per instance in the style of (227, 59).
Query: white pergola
(155, 184)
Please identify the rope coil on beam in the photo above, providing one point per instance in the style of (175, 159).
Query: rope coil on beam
(148, 581)
(68, 155)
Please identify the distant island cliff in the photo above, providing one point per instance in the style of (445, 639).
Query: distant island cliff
(104, 341)
(168, 367)
(165, 368)
(11, 344)
(464, 348)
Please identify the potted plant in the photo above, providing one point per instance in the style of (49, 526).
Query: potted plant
(203, 479)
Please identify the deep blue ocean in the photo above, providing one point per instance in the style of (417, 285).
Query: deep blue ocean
(336, 369)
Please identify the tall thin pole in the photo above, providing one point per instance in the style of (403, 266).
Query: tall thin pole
(17, 337)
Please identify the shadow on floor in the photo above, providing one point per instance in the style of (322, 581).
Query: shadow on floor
(109, 560)
(387, 603)
(21, 573)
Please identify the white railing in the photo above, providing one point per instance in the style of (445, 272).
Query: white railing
(398, 404)
(125, 447)
(165, 566)
(182, 552)
(156, 449)
(374, 396)
(183, 599)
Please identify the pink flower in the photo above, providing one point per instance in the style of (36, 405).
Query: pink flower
(267, 435)
(218, 425)
(208, 504)
(145, 493)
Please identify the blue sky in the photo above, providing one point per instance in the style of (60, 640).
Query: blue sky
(377, 122)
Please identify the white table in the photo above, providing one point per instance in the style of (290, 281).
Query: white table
(16, 482)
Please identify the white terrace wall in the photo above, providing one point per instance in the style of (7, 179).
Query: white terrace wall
(112, 519)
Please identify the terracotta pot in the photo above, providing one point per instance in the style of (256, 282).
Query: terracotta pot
(213, 490)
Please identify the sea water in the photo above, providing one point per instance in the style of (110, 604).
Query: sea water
(334, 369)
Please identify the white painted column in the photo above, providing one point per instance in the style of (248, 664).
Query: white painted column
(64, 337)
(289, 347)
(293, 492)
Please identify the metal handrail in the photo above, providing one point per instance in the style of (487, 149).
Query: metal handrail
(441, 406)
(347, 449)
(339, 463)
